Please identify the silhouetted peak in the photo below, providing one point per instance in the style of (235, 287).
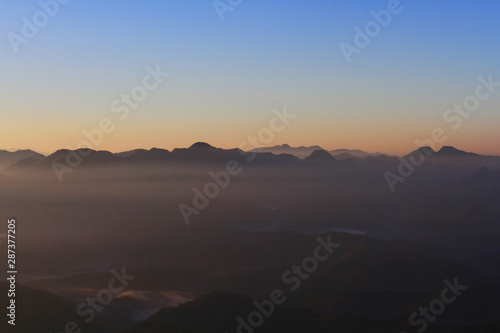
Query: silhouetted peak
(201, 145)
(426, 150)
(320, 155)
(85, 153)
(59, 152)
(154, 149)
(20, 153)
(451, 151)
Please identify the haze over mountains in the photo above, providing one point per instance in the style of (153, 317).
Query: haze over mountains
(303, 152)
(11, 157)
(117, 210)
(201, 152)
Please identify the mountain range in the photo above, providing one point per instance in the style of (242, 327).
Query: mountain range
(302, 152)
(122, 209)
(7, 157)
(25, 161)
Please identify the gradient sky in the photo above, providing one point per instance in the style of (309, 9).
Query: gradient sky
(227, 76)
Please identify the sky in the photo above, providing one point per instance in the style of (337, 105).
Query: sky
(225, 77)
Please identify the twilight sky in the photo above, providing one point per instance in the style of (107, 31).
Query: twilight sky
(226, 76)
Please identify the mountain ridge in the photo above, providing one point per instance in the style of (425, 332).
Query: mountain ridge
(202, 152)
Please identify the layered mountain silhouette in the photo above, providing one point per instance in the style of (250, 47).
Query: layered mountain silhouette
(352, 153)
(320, 156)
(396, 248)
(40, 311)
(303, 151)
(201, 153)
(227, 312)
(8, 158)
(300, 152)
(452, 151)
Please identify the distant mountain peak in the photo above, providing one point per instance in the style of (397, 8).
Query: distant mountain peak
(202, 145)
(21, 152)
(300, 152)
(426, 150)
(343, 153)
(451, 151)
(320, 155)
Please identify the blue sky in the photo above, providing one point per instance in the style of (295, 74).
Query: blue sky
(227, 76)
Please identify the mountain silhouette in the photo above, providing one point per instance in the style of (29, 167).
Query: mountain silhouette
(425, 150)
(8, 158)
(300, 152)
(202, 153)
(357, 153)
(202, 146)
(218, 312)
(143, 154)
(40, 311)
(320, 156)
(452, 151)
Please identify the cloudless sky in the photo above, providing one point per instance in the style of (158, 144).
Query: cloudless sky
(227, 76)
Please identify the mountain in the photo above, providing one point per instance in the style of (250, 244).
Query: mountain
(229, 312)
(87, 156)
(320, 156)
(143, 154)
(353, 152)
(40, 311)
(218, 312)
(456, 157)
(344, 156)
(202, 146)
(7, 158)
(197, 154)
(427, 151)
(454, 152)
(447, 162)
(203, 152)
(63, 158)
(300, 152)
